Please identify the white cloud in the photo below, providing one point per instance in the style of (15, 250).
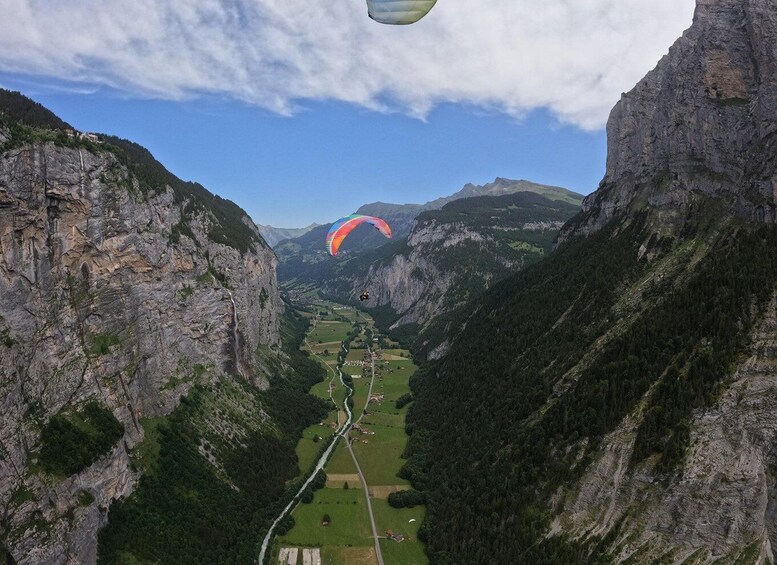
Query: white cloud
(573, 57)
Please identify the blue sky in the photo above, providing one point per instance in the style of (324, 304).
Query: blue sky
(301, 111)
(331, 157)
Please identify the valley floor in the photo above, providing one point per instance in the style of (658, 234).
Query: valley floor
(377, 440)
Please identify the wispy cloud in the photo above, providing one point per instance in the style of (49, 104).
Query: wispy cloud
(573, 57)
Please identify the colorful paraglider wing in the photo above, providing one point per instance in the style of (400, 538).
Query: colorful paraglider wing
(399, 12)
(341, 228)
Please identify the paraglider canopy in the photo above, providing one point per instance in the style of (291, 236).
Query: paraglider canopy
(399, 12)
(342, 227)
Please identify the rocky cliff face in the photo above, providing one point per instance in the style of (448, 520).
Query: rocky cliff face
(723, 504)
(410, 282)
(700, 128)
(623, 389)
(702, 124)
(106, 295)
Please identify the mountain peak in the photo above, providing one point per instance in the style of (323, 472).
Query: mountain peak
(501, 181)
(502, 185)
(699, 127)
(274, 235)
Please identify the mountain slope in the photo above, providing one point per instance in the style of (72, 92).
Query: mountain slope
(622, 390)
(273, 235)
(123, 290)
(305, 259)
(451, 255)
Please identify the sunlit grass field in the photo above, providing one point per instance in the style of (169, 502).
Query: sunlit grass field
(347, 540)
(349, 526)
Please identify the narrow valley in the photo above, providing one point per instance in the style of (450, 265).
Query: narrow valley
(348, 518)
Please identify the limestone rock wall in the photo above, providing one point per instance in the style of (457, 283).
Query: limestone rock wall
(87, 258)
(703, 123)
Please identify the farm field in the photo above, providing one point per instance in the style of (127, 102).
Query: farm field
(361, 388)
(410, 551)
(348, 555)
(349, 526)
(340, 463)
(331, 333)
(308, 449)
(381, 458)
(348, 539)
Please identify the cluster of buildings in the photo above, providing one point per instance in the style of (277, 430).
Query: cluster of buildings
(85, 135)
(376, 397)
(392, 535)
(362, 430)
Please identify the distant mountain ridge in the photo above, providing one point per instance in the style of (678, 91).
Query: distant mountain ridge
(450, 256)
(273, 235)
(304, 257)
(401, 216)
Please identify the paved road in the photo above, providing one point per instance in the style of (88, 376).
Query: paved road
(342, 432)
(319, 466)
(361, 475)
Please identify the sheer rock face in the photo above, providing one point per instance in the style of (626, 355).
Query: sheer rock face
(86, 259)
(411, 284)
(422, 282)
(704, 122)
(724, 502)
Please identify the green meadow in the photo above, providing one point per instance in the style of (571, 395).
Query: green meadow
(347, 539)
(381, 458)
(308, 449)
(410, 551)
(361, 390)
(340, 462)
(349, 526)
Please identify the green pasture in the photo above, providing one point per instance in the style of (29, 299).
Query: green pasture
(340, 462)
(381, 458)
(410, 551)
(349, 526)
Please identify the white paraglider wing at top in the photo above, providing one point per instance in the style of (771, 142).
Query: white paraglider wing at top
(399, 12)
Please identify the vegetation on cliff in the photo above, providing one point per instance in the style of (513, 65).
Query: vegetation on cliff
(216, 469)
(73, 441)
(549, 384)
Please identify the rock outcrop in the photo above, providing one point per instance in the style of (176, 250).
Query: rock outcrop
(114, 293)
(698, 130)
(723, 504)
(702, 124)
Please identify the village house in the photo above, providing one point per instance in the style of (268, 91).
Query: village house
(392, 535)
(89, 136)
(362, 430)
